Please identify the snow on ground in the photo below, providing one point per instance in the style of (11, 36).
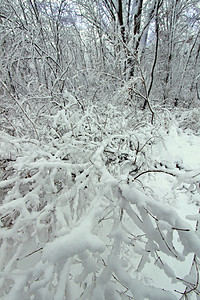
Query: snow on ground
(183, 150)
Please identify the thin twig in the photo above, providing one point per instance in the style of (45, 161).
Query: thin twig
(152, 171)
(29, 254)
(168, 247)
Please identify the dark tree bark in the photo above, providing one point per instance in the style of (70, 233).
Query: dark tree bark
(121, 21)
(155, 56)
(137, 17)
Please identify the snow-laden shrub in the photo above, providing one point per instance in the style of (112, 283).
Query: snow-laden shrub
(79, 220)
(190, 119)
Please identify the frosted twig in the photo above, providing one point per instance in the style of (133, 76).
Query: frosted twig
(24, 112)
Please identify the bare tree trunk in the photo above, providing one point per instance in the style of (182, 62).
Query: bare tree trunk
(171, 34)
(121, 21)
(155, 55)
(137, 16)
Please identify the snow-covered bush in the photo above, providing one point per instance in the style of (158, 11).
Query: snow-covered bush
(190, 119)
(80, 215)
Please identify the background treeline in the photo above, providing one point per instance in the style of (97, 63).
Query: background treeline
(94, 48)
